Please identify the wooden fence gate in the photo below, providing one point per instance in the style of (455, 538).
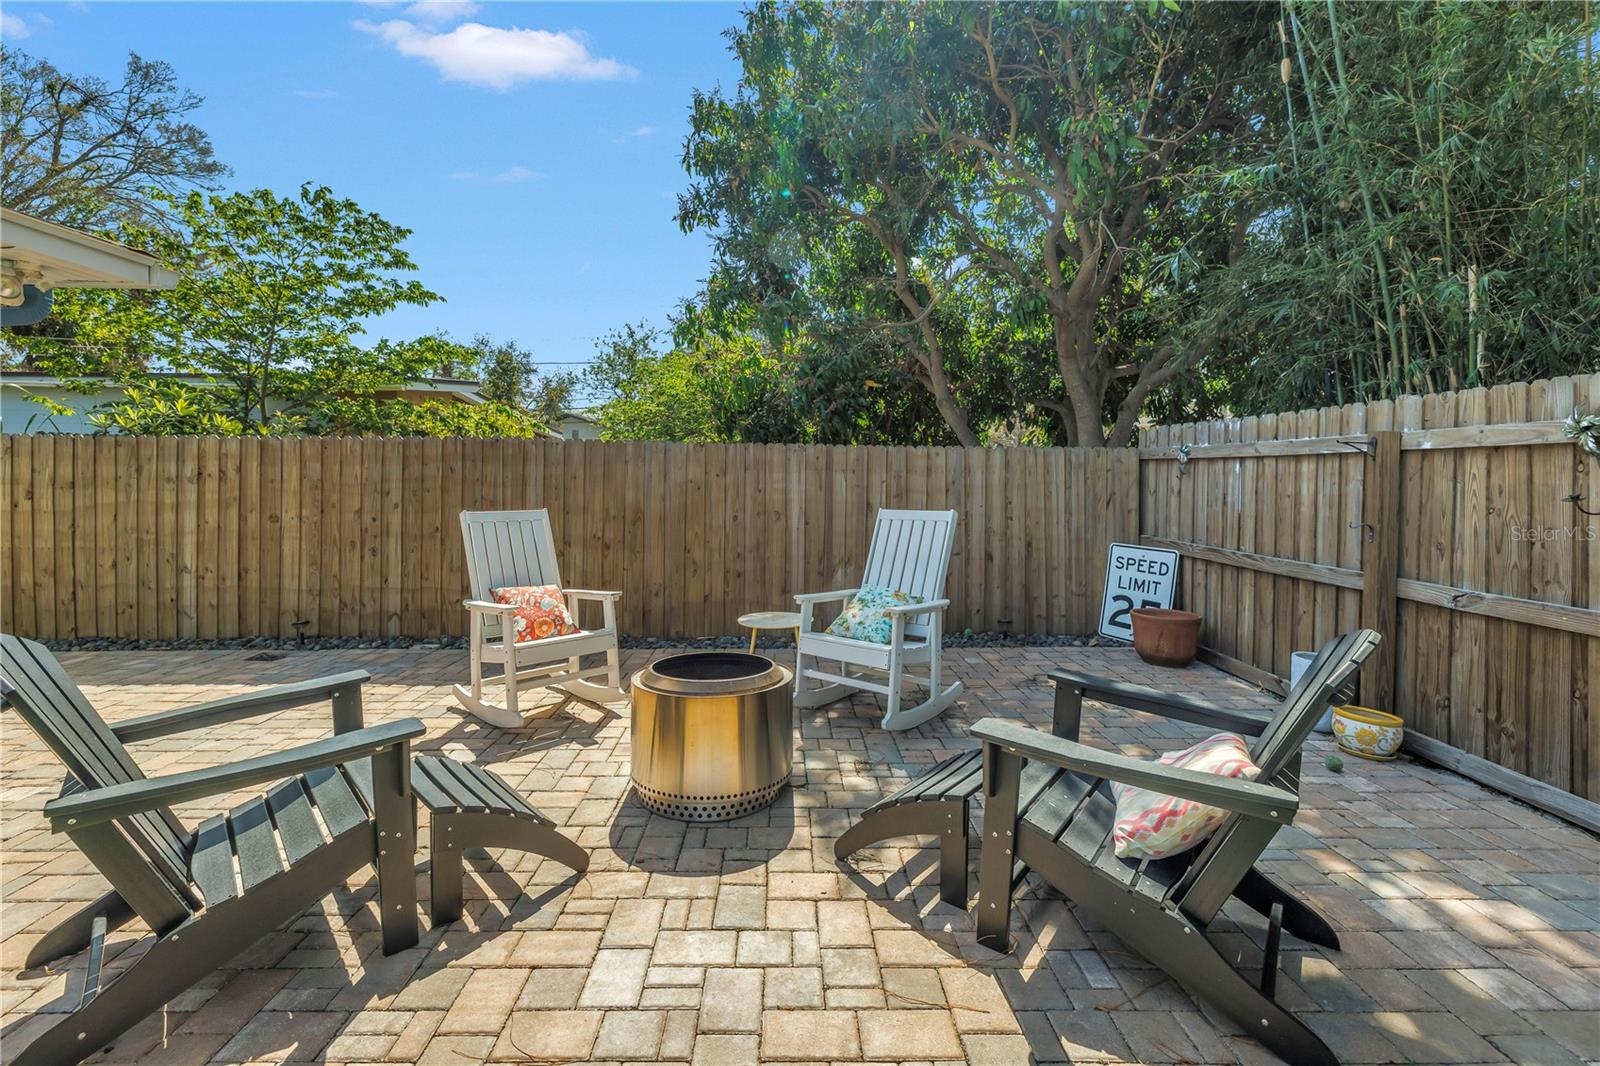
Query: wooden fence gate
(1452, 523)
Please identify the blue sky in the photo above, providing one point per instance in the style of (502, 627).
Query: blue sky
(533, 148)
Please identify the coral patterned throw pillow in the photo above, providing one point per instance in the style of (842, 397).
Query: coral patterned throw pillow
(541, 611)
(1150, 825)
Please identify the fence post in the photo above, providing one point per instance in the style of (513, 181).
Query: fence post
(1380, 565)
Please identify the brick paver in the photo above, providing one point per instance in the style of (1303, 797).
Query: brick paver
(1470, 924)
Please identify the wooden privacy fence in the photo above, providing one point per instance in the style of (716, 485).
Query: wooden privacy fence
(163, 538)
(1447, 522)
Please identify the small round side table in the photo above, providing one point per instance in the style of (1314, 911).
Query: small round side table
(756, 621)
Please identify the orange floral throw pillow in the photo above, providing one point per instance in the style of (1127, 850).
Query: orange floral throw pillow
(541, 611)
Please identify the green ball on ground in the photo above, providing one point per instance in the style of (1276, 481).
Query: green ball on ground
(1334, 763)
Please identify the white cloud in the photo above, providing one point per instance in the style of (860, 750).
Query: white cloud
(509, 176)
(499, 58)
(13, 27)
(440, 12)
(316, 94)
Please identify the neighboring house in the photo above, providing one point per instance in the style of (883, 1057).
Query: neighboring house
(575, 425)
(38, 257)
(19, 414)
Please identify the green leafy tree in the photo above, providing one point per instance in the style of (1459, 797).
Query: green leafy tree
(86, 152)
(168, 409)
(508, 374)
(838, 385)
(712, 388)
(647, 393)
(554, 394)
(272, 295)
(882, 168)
(505, 371)
(1437, 194)
(368, 415)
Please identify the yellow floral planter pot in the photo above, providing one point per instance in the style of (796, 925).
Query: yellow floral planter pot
(1367, 733)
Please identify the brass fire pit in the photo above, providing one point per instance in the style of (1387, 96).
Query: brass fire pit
(713, 734)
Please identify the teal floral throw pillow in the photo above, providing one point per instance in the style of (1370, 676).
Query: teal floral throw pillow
(867, 618)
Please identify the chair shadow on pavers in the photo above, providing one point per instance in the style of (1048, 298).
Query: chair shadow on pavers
(254, 976)
(493, 744)
(211, 892)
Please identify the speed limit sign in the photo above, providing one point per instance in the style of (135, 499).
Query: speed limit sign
(1135, 577)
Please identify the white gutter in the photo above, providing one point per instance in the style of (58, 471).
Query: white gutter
(48, 256)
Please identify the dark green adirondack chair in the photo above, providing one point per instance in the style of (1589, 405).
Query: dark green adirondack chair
(942, 800)
(1161, 909)
(183, 882)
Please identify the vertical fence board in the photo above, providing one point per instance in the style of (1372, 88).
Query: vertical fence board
(1550, 579)
(1430, 649)
(1469, 570)
(107, 559)
(168, 536)
(18, 547)
(1586, 673)
(61, 536)
(308, 586)
(228, 500)
(656, 547)
(189, 476)
(392, 557)
(46, 558)
(271, 548)
(331, 562)
(1509, 497)
(209, 537)
(371, 535)
(84, 564)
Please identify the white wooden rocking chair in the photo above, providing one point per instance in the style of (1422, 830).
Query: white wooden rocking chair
(910, 553)
(515, 548)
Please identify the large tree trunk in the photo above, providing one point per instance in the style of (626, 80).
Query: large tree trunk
(955, 416)
(1077, 356)
(930, 353)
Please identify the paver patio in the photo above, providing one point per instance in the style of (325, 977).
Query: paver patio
(1470, 923)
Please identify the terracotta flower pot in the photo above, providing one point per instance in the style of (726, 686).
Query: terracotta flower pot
(1165, 638)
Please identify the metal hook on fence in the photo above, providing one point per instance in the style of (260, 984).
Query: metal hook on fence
(1367, 446)
(1577, 501)
(1372, 531)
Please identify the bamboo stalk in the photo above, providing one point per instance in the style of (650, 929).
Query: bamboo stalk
(1379, 259)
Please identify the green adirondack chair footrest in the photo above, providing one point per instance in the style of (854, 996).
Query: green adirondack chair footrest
(471, 807)
(446, 786)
